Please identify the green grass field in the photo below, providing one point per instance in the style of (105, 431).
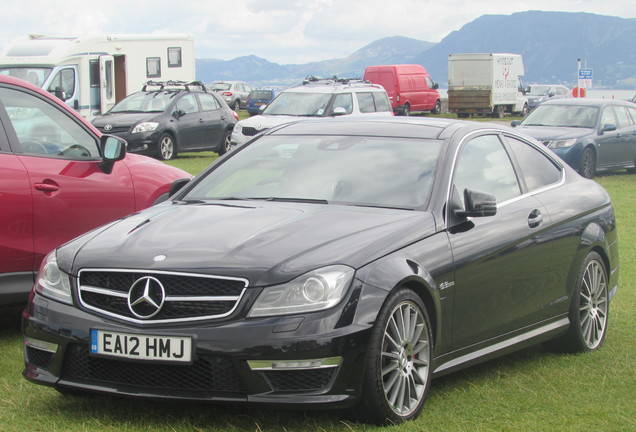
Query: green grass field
(532, 390)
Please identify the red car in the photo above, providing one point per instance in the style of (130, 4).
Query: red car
(59, 178)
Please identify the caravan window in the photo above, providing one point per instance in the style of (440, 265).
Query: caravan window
(174, 57)
(153, 67)
(94, 72)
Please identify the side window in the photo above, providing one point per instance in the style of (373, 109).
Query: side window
(208, 103)
(365, 102)
(344, 100)
(44, 129)
(632, 114)
(381, 101)
(63, 84)
(608, 117)
(93, 67)
(621, 117)
(537, 169)
(188, 104)
(429, 82)
(153, 67)
(484, 166)
(174, 57)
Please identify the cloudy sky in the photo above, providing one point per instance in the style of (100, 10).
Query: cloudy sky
(281, 31)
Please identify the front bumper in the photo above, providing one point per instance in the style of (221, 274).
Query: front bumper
(295, 360)
(144, 143)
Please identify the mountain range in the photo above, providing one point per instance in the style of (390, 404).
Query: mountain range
(550, 43)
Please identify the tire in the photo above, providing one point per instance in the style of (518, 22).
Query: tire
(438, 108)
(166, 147)
(499, 111)
(589, 310)
(588, 163)
(397, 375)
(236, 105)
(407, 110)
(225, 144)
(525, 110)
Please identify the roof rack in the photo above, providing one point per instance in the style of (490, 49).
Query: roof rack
(174, 85)
(310, 79)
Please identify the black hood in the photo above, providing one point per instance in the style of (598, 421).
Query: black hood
(119, 120)
(266, 243)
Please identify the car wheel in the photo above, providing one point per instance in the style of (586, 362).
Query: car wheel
(226, 145)
(167, 147)
(588, 311)
(588, 163)
(407, 110)
(499, 111)
(398, 373)
(525, 110)
(438, 108)
(237, 105)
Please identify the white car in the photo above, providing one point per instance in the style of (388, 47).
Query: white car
(316, 98)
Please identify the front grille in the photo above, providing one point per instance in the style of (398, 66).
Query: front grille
(297, 380)
(251, 131)
(114, 130)
(209, 374)
(186, 297)
(38, 357)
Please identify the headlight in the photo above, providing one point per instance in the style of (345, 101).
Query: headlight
(560, 143)
(52, 282)
(145, 127)
(237, 128)
(313, 291)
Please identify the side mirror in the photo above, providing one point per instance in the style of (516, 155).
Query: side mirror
(338, 111)
(610, 127)
(177, 185)
(262, 108)
(178, 113)
(435, 86)
(478, 204)
(113, 149)
(515, 123)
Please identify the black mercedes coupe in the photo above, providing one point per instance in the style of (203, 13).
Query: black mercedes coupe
(335, 263)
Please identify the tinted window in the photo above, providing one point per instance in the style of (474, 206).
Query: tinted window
(208, 103)
(365, 102)
(484, 166)
(394, 172)
(537, 169)
(621, 117)
(562, 116)
(381, 101)
(343, 100)
(188, 104)
(43, 129)
(607, 117)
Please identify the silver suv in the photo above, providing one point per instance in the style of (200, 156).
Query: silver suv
(316, 98)
(233, 92)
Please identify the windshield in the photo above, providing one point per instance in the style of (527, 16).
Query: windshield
(34, 75)
(145, 102)
(261, 94)
(538, 90)
(220, 86)
(299, 104)
(562, 116)
(353, 170)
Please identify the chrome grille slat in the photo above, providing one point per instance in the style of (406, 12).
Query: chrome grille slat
(188, 296)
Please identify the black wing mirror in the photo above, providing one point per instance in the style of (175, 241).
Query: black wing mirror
(478, 204)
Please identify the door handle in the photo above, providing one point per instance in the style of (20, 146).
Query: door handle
(535, 218)
(46, 187)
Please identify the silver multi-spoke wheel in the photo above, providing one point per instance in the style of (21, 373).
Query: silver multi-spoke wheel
(166, 150)
(405, 358)
(593, 304)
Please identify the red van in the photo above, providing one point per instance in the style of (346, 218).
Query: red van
(409, 87)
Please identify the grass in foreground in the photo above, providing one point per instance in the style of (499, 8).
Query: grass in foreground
(531, 390)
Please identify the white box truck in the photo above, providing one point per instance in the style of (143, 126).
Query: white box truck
(486, 84)
(92, 73)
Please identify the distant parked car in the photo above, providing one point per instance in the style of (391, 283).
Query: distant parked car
(259, 98)
(316, 97)
(59, 177)
(589, 134)
(233, 92)
(409, 86)
(539, 93)
(167, 118)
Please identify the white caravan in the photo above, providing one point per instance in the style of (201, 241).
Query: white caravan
(92, 73)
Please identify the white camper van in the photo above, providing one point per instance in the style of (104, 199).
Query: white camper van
(92, 73)
(488, 83)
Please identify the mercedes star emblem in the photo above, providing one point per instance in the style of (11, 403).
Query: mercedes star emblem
(146, 297)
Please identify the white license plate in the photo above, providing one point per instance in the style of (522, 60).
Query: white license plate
(141, 347)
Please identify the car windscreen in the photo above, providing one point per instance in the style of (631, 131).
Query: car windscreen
(34, 75)
(261, 94)
(220, 86)
(578, 116)
(352, 170)
(538, 90)
(299, 104)
(142, 102)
